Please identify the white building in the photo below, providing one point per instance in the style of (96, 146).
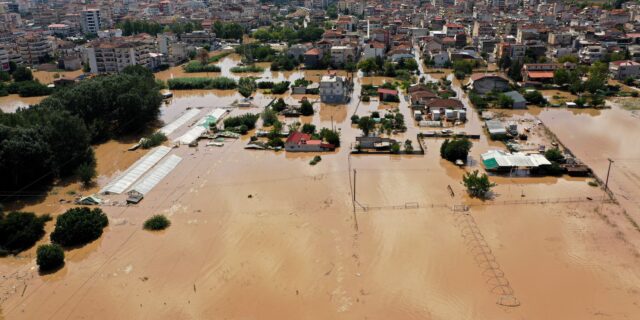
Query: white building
(112, 56)
(90, 20)
(334, 89)
(175, 51)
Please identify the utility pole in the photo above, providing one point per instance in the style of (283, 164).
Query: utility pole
(606, 183)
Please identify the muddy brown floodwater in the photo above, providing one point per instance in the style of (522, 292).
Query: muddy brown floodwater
(261, 234)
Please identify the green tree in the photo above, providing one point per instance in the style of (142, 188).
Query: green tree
(79, 226)
(306, 109)
(20, 231)
(308, 128)
(504, 101)
(477, 185)
(456, 149)
(554, 155)
(49, 257)
(535, 97)
(246, 86)
(330, 136)
(561, 76)
(86, 172)
(368, 65)
(22, 73)
(366, 124)
(408, 146)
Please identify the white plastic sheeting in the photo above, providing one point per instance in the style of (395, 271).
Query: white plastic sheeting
(134, 172)
(201, 127)
(158, 173)
(191, 135)
(175, 124)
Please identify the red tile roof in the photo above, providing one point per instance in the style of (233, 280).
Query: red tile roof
(296, 137)
(387, 91)
(540, 74)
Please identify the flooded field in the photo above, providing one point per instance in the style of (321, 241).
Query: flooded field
(13, 102)
(262, 234)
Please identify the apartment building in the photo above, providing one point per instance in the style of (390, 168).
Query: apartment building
(34, 48)
(4, 59)
(112, 56)
(90, 20)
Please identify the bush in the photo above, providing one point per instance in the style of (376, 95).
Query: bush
(20, 230)
(265, 84)
(456, 149)
(554, 155)
(308, 128)
(280, 87)
(157, 222)
(395, 148)
(315, 160)
(354, 119)
(153, 140)
(49, 257)
(306, 109)
(197, 66)
(279, 105)
(248, 120)
(217, 57)
(79, 226)
(222, 83)
(269, 117)
(243, 69)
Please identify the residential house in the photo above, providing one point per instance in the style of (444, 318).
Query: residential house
(624, 69)
(374, 143)
(373, 49)
(312, 58)
(385, 94)
(302, 142)
(539, 72)
(591, 54)
(341, 55)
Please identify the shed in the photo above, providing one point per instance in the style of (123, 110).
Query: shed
(519, 102)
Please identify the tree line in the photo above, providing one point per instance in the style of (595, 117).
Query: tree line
(52, 139)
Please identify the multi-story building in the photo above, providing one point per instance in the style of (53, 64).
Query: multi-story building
(334, 89)
(34, 48)
(4, 59)
(452, 29)
(199, 38)
(112, 56)
(90, 20)
(174, 51)
(60, 29)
